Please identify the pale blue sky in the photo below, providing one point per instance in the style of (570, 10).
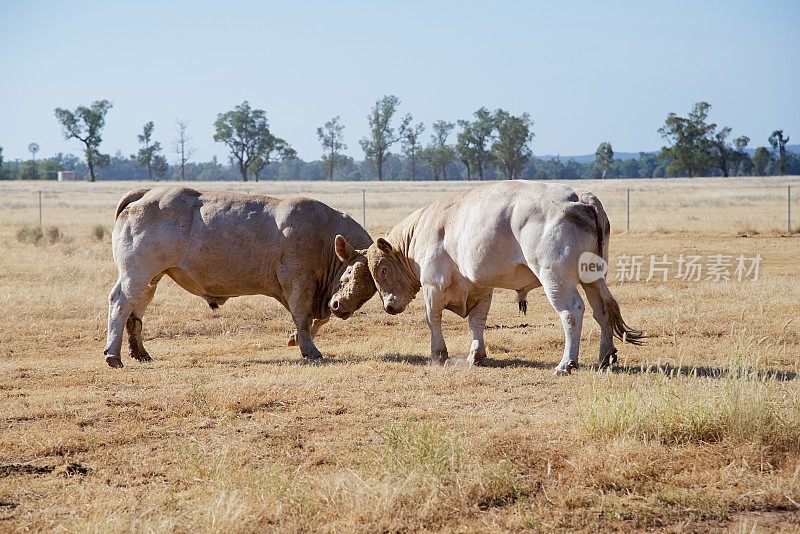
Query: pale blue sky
(585, 71)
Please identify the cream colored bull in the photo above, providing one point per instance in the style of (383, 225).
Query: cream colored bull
(223, 245)
(514, 235)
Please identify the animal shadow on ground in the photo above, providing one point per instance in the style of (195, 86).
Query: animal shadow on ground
(280, 361)
(456, 361)
(673, 371)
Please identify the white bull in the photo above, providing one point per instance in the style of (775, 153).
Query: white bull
(514, 235)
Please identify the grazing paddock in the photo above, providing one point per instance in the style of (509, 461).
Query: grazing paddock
(228, 430)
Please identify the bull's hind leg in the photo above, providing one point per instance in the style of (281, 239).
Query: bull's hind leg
(566, 300)
(608, 353)
(477, 323)
(133, 325)
(124, 297)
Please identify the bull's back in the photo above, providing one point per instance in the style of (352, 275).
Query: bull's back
(491, 233)
(226, 244)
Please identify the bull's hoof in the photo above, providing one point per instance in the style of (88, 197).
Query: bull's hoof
(114, 361)
(314, 357)
(478, 362)
(566, 370)
(608, 360)
(141, 357)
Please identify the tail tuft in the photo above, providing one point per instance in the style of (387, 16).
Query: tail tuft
(618, 324)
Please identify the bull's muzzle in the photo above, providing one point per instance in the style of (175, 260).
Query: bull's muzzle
(338, 311)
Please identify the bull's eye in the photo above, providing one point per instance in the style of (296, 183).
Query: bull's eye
(383, 271)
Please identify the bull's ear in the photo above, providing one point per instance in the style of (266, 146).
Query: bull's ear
(343, 249)
(383, 245)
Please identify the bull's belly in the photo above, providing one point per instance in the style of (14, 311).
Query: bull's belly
(465, 292)
(516, 277)
(218, 284)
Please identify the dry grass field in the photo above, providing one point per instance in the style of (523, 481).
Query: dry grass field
(227, 430)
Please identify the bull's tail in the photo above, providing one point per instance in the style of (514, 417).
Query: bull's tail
(618, 324)
(127, 198)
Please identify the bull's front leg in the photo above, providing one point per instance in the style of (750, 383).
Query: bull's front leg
(300, 302)
(315, 326)
(434, 305)
(305, 340)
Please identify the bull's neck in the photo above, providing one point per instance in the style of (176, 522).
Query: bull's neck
(327, 284)
(402, 236)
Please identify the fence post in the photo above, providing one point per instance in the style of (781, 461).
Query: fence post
(364, 207)
(628, 220)
(789, 208)
(40, 208)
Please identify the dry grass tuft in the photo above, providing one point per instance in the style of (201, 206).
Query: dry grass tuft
(420, 449)
(739, 409)
(99, 232)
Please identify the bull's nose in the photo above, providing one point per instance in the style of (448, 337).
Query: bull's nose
(335, 305)
(390, 309)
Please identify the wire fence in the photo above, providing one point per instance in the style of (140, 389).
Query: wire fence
(699, 205)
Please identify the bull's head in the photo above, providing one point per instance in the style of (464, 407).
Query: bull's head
(396, 284)
(355, 285)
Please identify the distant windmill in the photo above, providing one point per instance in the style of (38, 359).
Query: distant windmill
(33, 148)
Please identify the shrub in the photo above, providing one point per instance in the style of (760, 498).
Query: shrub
(30, 234)
(54, 235)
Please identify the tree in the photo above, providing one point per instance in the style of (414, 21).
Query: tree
(2, 170)
(778, 142)
(85, 125)
(438, 154)
(245, 131)
(724, 155)
(273, 149)
(411, 146)
(689, 141)
(332, 139)
(150, 151)
(382, 135)
(604, 158)
(761, 160)
(160, 165)
(181, 145)
(510, 149)
(29, 171)
(474, 142)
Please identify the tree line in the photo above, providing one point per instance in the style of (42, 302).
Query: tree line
(488, 145)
